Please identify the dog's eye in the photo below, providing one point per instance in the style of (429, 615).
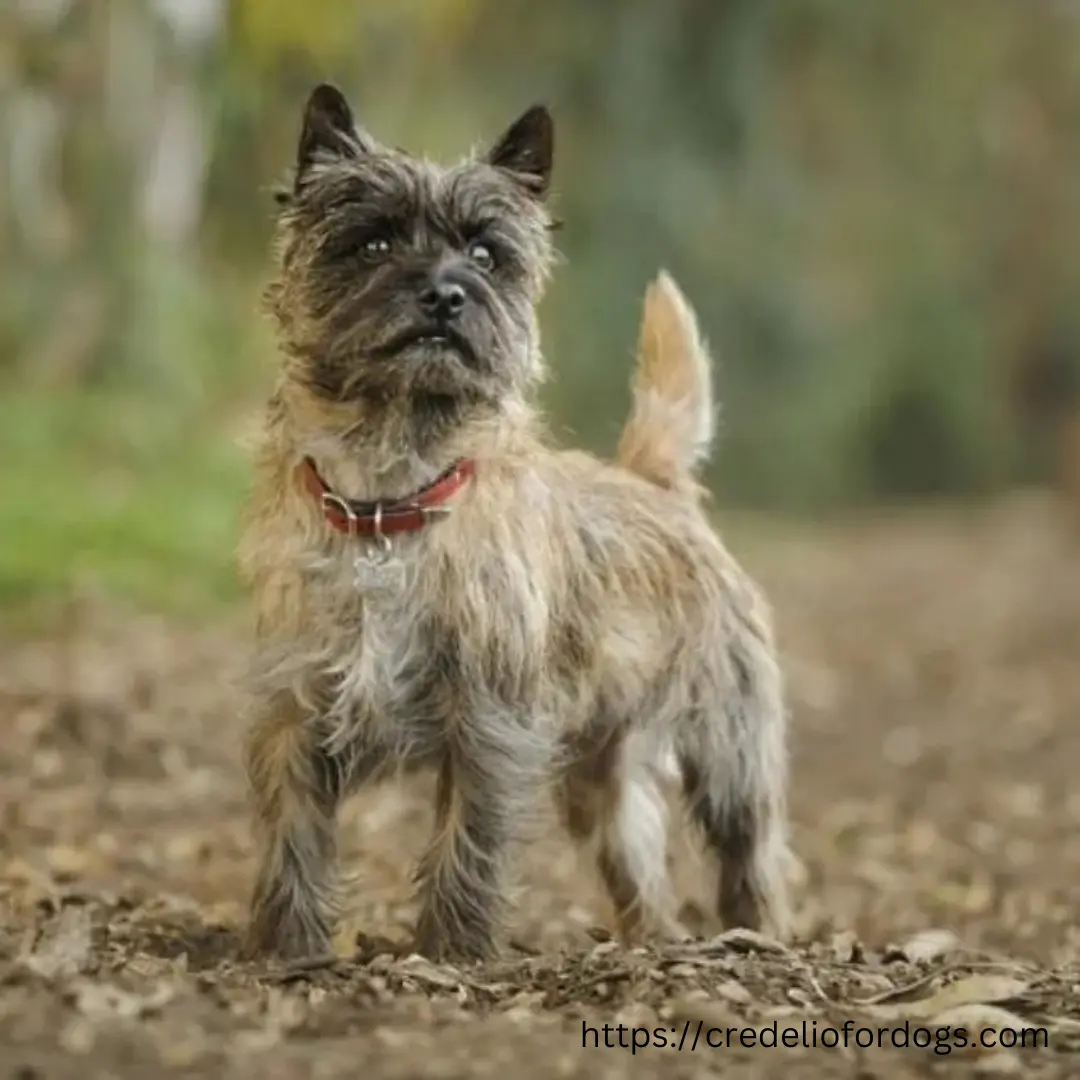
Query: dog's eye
(377, 246)
(481, 254)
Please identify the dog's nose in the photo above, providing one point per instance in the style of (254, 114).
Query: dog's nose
(443, 299)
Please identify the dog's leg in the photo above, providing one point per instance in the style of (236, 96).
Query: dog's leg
(634, 857)
(734, 777)
(754, 862)
(481, 792)
(613, 796)
(296, 788)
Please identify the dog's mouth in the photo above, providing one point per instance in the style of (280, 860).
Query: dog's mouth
(429, 337)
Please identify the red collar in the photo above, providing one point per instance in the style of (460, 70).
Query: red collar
(382, 518)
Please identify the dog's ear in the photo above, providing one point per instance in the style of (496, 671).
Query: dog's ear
(328, 131)
(526, 150)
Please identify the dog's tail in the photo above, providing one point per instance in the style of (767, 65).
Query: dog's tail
(671, 424)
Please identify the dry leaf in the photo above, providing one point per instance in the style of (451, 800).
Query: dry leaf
(733, 992)
(926, 945)
(741, 940)
(897, 993)
(416, 967)
(100, 1001)
(683, 971)
(978, 1018)
(64, 949)
(975, 990)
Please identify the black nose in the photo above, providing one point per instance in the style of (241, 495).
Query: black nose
(443, 300)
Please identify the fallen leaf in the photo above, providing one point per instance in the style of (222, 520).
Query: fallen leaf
(733, 992)
(780, 1012)
(924, 946)
(416, 967)
(741, 940)
(101, 1001)
(683, 971)
(897, 993)
(64, 949)
(978, 1018)
(975, 990)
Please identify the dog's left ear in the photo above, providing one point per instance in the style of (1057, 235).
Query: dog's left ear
(526, 150)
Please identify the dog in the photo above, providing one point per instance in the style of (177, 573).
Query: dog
(437, 586)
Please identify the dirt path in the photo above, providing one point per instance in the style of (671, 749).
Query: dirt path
(936, 692)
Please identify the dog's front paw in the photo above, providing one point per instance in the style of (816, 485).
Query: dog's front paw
(276, 935)
(457, 946)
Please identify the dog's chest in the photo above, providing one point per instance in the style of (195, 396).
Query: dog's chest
(390, 674)
(402, 667)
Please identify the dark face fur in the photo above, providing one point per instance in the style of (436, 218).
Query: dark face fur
(402, 282)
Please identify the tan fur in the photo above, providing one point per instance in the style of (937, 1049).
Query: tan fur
(571, 626)
(670, 428)
(584, 603)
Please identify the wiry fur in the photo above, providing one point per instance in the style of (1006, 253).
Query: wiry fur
(671, 424)
(572, 624)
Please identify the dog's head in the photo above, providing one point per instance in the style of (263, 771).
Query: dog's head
(402, 279)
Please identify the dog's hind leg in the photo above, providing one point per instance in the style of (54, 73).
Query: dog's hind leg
(734, 777)
(611, 796)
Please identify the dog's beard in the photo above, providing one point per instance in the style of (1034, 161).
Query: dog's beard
(419, 373)
(377, 358)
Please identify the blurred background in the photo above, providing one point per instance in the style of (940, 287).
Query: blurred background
(872, 205)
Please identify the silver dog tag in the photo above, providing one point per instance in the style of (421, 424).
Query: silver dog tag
(379, 571)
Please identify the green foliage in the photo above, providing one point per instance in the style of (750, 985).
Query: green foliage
(109, 490)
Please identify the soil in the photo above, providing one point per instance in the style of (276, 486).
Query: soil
(935, 692)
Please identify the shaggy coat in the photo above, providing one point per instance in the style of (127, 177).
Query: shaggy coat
(570, 625)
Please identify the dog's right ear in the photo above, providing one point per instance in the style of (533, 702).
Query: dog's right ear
(329, 131)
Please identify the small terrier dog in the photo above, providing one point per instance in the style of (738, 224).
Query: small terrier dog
(437, 587)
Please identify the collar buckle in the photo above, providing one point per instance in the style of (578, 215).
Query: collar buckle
(336, 502)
